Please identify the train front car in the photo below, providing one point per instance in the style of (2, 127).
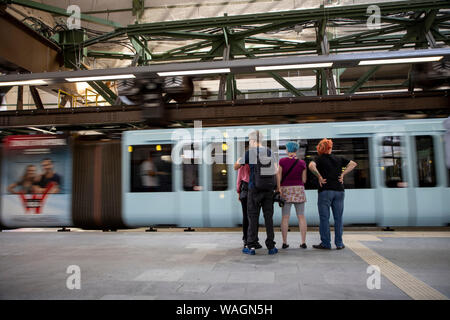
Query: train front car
(401, 178)
(166, 180)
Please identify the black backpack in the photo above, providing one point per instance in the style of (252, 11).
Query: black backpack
(263, 180)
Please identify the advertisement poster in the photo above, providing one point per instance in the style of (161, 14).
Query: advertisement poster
(36, 181)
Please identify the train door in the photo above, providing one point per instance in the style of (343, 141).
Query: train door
(394, 180)
(191, 186)
(221, 186)
(428, 190)
(148, 183)
(444, 175)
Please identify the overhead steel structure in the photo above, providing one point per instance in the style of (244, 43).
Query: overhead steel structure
(243, 42)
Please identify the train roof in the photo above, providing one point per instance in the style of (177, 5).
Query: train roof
(285, 131)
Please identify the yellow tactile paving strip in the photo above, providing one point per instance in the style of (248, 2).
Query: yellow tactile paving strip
(415, 234)
(409, 284)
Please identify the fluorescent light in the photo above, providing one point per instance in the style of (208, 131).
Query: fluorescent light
(112, 77)
(296, 66)
(41, 130)
(404, 60)
(190, 72)
(23, 83)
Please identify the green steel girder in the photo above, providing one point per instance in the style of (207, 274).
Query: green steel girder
(292, 16)
(180, 35)
(109, 55)
(411, 34)
(286, 84)
(105, 37)
(184, 49)
(273, 21)
(137, 9)
(60, 11)
(217, 48)
(361, 45)
(141, 49)
(262, 29)
(101, 88)
(442, 36)
(104, 91)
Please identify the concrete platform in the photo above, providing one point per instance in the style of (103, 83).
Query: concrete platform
(210, 265)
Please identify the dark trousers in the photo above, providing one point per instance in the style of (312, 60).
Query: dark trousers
(257, 200)
(245, 221)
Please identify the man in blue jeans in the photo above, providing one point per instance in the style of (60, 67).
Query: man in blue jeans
(328, 169)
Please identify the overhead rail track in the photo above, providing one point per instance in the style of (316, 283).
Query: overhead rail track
(240, 111)
(218, 67)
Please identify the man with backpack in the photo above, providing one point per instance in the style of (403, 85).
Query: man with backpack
(261, 186)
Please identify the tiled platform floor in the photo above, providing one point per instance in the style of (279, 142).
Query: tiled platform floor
(210, 265)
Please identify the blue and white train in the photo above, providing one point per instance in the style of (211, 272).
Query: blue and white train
(401, 178)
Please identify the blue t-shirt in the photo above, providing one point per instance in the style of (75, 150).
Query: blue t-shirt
(250, 158)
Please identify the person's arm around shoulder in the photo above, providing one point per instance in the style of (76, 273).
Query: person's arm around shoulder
(350, 166)
(313, 168)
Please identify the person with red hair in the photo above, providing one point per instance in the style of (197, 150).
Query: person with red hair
(330, 171)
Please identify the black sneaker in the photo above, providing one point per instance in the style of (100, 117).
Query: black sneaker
(285, 246)
(303, 245)
(320, 246)
(340, 247)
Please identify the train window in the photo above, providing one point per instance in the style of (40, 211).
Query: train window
(191, 157)
(151, 168)
(356, 149)
(219, 168)
(392, 162)
(426, 171)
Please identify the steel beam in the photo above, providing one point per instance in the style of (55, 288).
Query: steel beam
(242, 111)
(293, 16)
(36, 98)
(18, 41)
(236, 66)
(70, 117)
(311, 106)
(19, 98)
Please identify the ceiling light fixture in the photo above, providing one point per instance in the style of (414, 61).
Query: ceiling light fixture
(192, 72)
(404, 60)
(296, 66)
(23, 83)
(112, 77)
